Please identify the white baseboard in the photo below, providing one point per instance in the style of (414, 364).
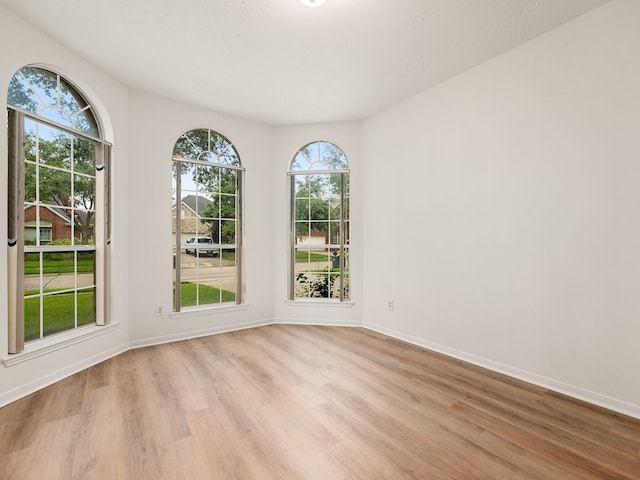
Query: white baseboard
(604, 401)
(318, 322)
(176, 337)
(51, 378)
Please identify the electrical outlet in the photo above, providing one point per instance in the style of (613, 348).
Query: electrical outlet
(159, 310)
(390, 305)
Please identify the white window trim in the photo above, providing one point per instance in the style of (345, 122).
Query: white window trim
(58, 341)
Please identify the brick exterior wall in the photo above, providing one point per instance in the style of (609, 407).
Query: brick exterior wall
(59, 227)
(189, 222)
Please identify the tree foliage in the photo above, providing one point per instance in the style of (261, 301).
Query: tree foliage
(213, 181)
(52, 181)
(317, 203)
(220, 213)
(48, 94)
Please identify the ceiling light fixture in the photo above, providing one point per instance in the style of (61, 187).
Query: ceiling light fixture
(312, 3)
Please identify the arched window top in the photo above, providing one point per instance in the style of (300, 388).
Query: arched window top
(319, 156)
(51, 96)
(208, 146)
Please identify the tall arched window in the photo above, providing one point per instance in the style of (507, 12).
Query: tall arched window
(206, 220)
(319, 267)
(58, 209)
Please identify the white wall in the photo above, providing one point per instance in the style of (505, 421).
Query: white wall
(21, 44)
(347, 136)
(509, 197)
(156, 124)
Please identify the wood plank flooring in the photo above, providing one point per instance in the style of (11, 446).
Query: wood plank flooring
(303, 402)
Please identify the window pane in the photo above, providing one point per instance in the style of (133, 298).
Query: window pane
(334, 233)
(53, 146)
(318, 186)
(303, 234)
(31, 269)
(320, 230)
(302, 209)
(61, 267)
(318, 209)
(21, 95)
(86, 269)
(83, 155)
(55, 186)
(86, 306)
(227, 206)
(301, 186)
(58, 312)
(32, 318)
(29, 183)
(85, 122)
(84, 192)
(228, 181)
(228, 232)
(207, 179)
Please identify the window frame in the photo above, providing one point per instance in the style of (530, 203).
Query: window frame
(180, 237)
(17, 118)
(344, 276)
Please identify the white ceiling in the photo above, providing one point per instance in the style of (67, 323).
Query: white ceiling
(278, 62)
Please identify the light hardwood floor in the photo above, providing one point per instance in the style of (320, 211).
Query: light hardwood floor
(302, 402)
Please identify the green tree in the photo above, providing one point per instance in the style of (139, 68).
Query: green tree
(317, 203)
(46, 93)
(220, 213)
(213, 181)
(56, 157)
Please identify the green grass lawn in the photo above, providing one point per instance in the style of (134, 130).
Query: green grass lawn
(229, 255)
(304, 256)
(208, 294)
(58, 313)
(57, 263)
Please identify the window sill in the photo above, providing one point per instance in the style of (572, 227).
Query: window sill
(196, 312)
(55, 342)
(319, 303)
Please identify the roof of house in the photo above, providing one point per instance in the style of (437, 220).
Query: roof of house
(196, 203)
(64, 213)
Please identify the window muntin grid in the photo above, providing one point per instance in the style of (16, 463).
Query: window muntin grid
(57, 276)
(207, 178)
(319, 156)
(51, 96)
(320, 236)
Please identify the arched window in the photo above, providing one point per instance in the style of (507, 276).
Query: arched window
(319, 266)
(206, 220)
(58, 209)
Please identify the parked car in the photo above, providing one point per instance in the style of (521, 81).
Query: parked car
(205, 246)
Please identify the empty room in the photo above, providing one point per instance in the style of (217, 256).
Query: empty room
(320, 239)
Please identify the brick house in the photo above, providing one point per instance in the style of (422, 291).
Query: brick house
(191, 214)
(55, 223)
